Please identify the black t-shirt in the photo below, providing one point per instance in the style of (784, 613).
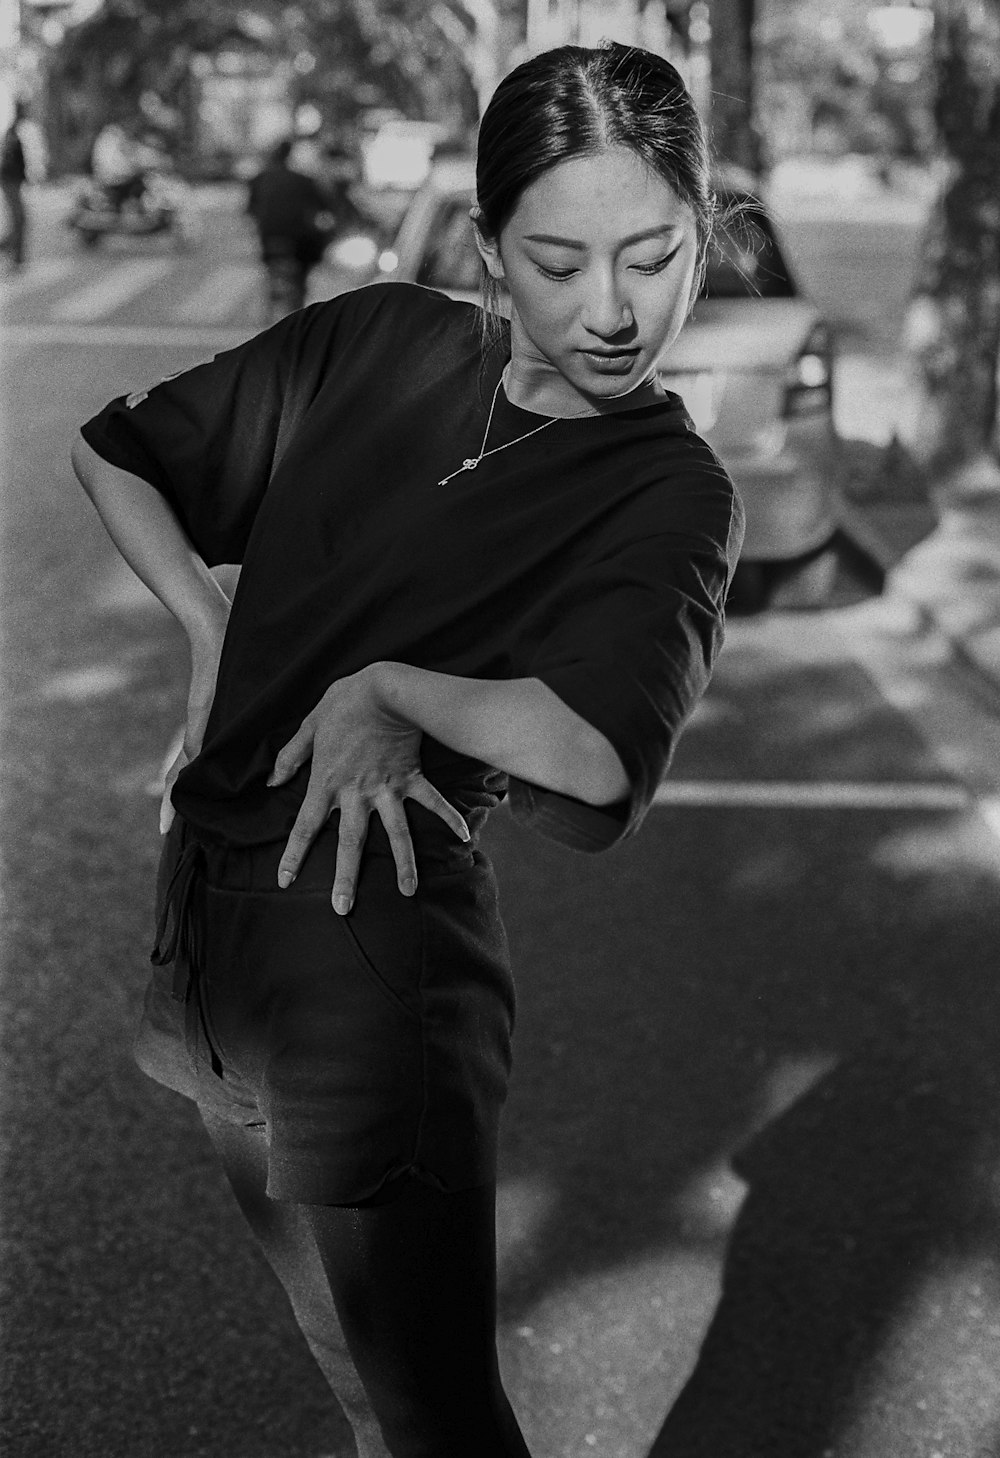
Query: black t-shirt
(12, 163)
(594, 556)
(284, 203)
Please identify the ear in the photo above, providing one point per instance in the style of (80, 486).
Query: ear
(489, 248)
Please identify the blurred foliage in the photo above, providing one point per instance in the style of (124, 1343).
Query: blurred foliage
(953, 327)
(345, 56)
(828, 82)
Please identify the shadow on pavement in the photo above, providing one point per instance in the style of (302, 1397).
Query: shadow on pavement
(668, 991)
(661, 1009)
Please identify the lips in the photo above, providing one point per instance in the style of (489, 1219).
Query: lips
(611, 361)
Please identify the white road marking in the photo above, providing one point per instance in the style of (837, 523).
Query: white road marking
(815, 795)
(218, 295)
(115, 287)
(157, 336)
(989, 811)
(40, 275)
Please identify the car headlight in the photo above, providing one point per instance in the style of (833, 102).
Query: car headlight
(809, 383)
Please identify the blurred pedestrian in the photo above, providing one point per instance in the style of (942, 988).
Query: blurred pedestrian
(13, 175)
(480, 558)
(118, 162)
(339, 173)
(294, 225)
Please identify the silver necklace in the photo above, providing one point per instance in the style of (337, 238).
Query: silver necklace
(471, 462)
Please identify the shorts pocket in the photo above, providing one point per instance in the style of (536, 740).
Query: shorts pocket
(385, 933)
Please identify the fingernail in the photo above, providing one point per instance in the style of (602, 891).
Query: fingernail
(466, 833)
(272, 780)
(408, 886)
(285, 877)
(341, 905)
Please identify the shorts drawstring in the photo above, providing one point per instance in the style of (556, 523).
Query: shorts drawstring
(177, 938)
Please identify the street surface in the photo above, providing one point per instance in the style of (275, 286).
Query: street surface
(756, 1050)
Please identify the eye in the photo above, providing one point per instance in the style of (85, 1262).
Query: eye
(658, 266)
(556, 273)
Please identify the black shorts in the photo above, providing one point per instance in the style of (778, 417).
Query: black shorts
(365, 1046)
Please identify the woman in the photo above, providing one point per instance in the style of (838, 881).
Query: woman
(490, 559)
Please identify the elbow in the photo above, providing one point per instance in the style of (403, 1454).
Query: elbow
(80, 459)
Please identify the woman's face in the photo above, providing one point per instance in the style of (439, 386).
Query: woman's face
(599, 257)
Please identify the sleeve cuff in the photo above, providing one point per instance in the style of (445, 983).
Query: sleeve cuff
(572, 823)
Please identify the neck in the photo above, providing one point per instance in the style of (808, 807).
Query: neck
(567, 403)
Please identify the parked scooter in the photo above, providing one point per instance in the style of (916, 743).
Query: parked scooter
(159, 204)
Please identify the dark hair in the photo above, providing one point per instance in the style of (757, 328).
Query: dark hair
(573, 102)
(281, 151)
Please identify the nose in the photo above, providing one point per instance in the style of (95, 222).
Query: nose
(607, 311)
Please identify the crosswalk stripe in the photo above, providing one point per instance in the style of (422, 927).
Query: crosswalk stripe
(815, 795)
(156, 336)
(218, 295)
(40, 275)
(114, 288)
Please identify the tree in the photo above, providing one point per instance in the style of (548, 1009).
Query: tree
(347, 55)
(734, 133)
(953, 328)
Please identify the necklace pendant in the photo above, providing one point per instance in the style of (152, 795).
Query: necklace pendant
(470, 463)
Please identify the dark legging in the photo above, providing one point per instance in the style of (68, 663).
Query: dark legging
(397, 1301)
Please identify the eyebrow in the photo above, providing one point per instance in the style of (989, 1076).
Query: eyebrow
(575, 243)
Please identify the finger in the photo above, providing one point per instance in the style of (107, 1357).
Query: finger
(393, 817)
(170, 773)
(313, 815)
(351, 839)
(292, 756)
(167, 811)
(425, 794)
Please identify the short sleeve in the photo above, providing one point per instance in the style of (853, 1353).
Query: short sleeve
(629, 644)
(206, 437)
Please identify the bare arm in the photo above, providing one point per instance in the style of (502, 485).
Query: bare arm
(147, 533)
(518, 725)
(363, 744)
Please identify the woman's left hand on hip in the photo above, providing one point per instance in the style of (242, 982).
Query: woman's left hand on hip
(364, 758)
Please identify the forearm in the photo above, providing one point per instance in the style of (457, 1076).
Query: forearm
(518, 725)
(149, 537)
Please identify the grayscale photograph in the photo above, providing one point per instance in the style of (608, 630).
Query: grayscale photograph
(500, 728)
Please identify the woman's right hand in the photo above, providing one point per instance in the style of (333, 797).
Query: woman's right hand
(206, 650)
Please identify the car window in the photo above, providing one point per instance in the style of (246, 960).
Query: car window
(744, 259)
(450, 258)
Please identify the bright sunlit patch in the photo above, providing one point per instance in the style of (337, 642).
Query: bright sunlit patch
(790, 1080)
(83, 683)
(939, 857)
(523, 1207)
(709, 1204)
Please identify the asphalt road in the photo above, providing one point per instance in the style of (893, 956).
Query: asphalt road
(756, 1049)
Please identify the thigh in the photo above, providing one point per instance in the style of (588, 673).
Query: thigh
(282, 1229)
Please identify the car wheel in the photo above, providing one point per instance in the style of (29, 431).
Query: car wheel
(749, 589)
(805, 584)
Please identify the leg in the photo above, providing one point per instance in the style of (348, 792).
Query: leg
(414, 1282)
(16, 221)
(286, 1239)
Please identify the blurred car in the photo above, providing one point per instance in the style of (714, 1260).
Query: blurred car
(754, 366)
